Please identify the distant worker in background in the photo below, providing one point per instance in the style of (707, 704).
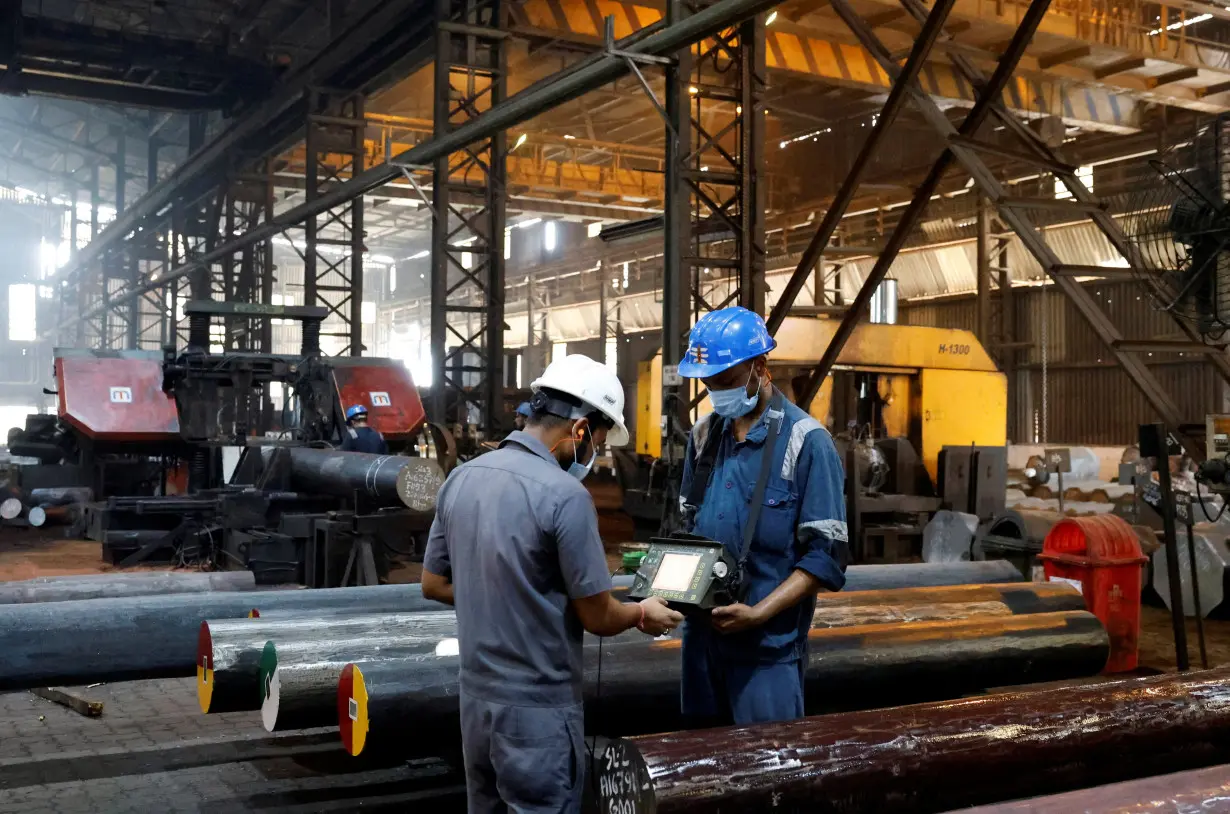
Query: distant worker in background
(358, 437)
(515, 547)
(522, 416)
(745, 663)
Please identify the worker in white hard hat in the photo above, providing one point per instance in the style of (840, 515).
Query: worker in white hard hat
(515, 547)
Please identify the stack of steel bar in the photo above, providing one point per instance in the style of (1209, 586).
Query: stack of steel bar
(866, 649)
(928, 757)
(114, 586)
(155, 636)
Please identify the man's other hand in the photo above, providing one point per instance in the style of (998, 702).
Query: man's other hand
(658, 617)
(733, 618)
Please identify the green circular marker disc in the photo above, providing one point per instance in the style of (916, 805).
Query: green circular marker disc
(269, 663)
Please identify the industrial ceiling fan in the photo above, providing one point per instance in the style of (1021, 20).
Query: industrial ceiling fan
(1178, 219)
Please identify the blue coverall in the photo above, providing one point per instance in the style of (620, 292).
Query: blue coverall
(756, 675)
(364, 439)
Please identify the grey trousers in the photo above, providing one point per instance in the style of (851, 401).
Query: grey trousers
(523, 760)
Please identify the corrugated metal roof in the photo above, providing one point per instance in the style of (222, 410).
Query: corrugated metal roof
(937, 270)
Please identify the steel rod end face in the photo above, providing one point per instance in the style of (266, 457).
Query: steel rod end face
(621, 778)
(204, 667)
(272, 694)
(352, 718)
(418, 483)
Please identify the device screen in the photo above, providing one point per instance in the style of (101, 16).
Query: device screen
(676, 572)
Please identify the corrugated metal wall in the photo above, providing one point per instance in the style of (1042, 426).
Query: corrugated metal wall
(1088, 398)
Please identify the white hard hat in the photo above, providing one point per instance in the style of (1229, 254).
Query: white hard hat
(593, 383)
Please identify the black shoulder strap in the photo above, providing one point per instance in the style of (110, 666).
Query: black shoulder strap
(702, 473)
(767, 454)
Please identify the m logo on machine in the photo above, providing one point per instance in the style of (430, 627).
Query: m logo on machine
(121, 395)
(381, 399)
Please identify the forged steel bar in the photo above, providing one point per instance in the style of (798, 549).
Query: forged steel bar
(949, 602)
(637, 687)
(929, 757)
(589, 74)
(908, 575)
(379, 480)
(113, 586)
(229, 651)
(91, 640)
(1178, 793)
(308, 669)
(299, 679)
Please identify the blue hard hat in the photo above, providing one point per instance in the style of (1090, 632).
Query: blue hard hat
(524, 409)
(356, 410)
(722, 339)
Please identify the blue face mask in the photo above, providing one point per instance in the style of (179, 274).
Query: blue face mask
(577, 469)
(735, 402)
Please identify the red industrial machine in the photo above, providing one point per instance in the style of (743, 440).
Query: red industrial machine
(129, 423)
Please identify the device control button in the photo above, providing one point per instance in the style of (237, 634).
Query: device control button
(720, 570)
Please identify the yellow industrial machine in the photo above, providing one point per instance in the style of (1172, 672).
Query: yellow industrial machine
(934, 386)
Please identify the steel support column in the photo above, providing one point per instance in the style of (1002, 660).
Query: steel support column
(467, 257)
(333, 239)
(717, 167)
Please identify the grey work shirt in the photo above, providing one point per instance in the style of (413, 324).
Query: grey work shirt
(518, 538)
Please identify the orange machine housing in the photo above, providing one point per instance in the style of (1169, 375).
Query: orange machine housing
(385, 388)
(115, 395)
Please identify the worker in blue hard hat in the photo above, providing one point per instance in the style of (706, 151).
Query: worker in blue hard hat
(522, 416)
(763, 478)
(358, 437)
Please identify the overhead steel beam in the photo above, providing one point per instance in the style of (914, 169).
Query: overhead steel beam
(45, 39)
(849, 187)
(836, 61)
(590, 74)
(989, 96)
(213, 157)
(36, 132)
(109, 92)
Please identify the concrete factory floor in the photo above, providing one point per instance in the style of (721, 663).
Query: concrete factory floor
(153, 752)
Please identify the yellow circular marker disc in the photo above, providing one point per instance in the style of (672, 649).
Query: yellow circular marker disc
(204, 667)
(352, 709)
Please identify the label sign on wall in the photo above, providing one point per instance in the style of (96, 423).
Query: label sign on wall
(121, 395)
(381, 399)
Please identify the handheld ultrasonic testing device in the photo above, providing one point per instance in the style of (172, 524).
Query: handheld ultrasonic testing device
(696, 574)
(689, 572)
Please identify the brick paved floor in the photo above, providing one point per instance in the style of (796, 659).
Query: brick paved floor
(152, 751)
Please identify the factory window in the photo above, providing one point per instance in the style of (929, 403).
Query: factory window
(594, 229)
(392, 279)
(282, 299)
(884, 302)
(558, 351)
(367, 313)
(520, 359)
(22, 325)
(612, 355)
(508, 244)
(1084, 174)
(217, 338)
(548, 236)
(467, 260)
